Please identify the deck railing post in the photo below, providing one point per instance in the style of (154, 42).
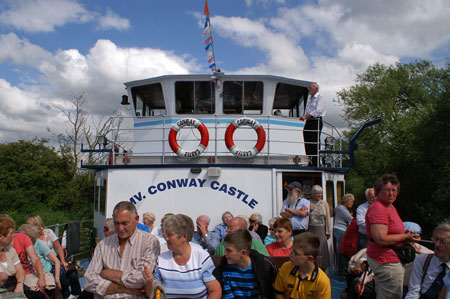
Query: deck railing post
(163, 143)
(268, 139)
(215, 138)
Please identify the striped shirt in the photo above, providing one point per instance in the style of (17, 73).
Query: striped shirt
(239, 283)
(186, 281)
(140, 249)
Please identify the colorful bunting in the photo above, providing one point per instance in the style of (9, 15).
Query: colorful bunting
(209, 41)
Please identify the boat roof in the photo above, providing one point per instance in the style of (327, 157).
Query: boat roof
(220, 76)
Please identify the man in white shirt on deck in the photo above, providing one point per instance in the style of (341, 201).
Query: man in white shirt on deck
(361, 218)
(315, 110)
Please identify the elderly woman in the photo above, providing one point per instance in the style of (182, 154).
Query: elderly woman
(50, 238)
(185, 270)
(48, 259)
(149, 220)
(283, 238)
(221, 229)
(12, 275)
(320, 222)
(271, 236)
(384, 230)
(342, 219)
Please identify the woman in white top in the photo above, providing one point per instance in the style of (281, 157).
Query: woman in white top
(185, 271)
(149, 220)
(10, 266)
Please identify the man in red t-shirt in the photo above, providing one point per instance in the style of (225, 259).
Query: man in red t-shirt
(24, 248)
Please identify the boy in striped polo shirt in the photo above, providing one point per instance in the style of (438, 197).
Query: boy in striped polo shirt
(243, 272)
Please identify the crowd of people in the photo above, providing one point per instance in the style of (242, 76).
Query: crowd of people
(32, 261)
(237, 259)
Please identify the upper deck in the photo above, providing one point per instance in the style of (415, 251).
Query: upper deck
(276, 103)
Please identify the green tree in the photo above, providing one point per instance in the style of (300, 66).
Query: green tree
(35, 178)
(410, 141)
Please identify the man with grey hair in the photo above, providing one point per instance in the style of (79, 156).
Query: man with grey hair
(115, 270)
(429, 270)
(257, 226)
(206, 239)
(315, 110)
(235, 224)
(296, 208)
(361, 218)
(109, 229)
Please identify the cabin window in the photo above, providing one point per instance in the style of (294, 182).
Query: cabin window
(195, 97)
(289, 100)
(148, 100)
(242, 97)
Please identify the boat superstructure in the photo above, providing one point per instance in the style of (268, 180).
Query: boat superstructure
(199, 146)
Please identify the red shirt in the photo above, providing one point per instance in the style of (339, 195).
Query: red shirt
(379, 214)
(21, 243)
(275, 250)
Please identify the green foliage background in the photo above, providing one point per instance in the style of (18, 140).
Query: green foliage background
(413, 140)
(37, 179)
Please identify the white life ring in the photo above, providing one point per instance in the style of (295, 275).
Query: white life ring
(245, 154)
(191, 122)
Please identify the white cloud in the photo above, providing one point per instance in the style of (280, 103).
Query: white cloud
(22, 52)
(283, 56)
(402, 28)
(26, 112)
(113, 21)
(42, 15)
(46, 15)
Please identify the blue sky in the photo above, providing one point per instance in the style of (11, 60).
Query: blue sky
(53, 49)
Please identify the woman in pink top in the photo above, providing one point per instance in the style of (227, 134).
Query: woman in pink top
(283, 238)
(385, 229)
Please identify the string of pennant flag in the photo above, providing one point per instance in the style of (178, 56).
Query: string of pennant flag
(209, 48)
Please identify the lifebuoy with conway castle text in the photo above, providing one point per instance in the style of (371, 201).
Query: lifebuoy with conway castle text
(188, 122)
(245, 154)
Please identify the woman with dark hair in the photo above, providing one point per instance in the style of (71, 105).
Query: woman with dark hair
(384, 230)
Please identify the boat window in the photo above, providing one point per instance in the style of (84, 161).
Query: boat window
(242, 97)
(148, 100)
(196, 97)
(289, 100)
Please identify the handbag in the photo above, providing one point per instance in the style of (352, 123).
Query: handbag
(405, 253)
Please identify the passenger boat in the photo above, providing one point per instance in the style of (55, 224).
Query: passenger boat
(200, 145)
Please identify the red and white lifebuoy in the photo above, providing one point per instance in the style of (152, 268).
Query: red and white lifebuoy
(245, 154)
(188, 122)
